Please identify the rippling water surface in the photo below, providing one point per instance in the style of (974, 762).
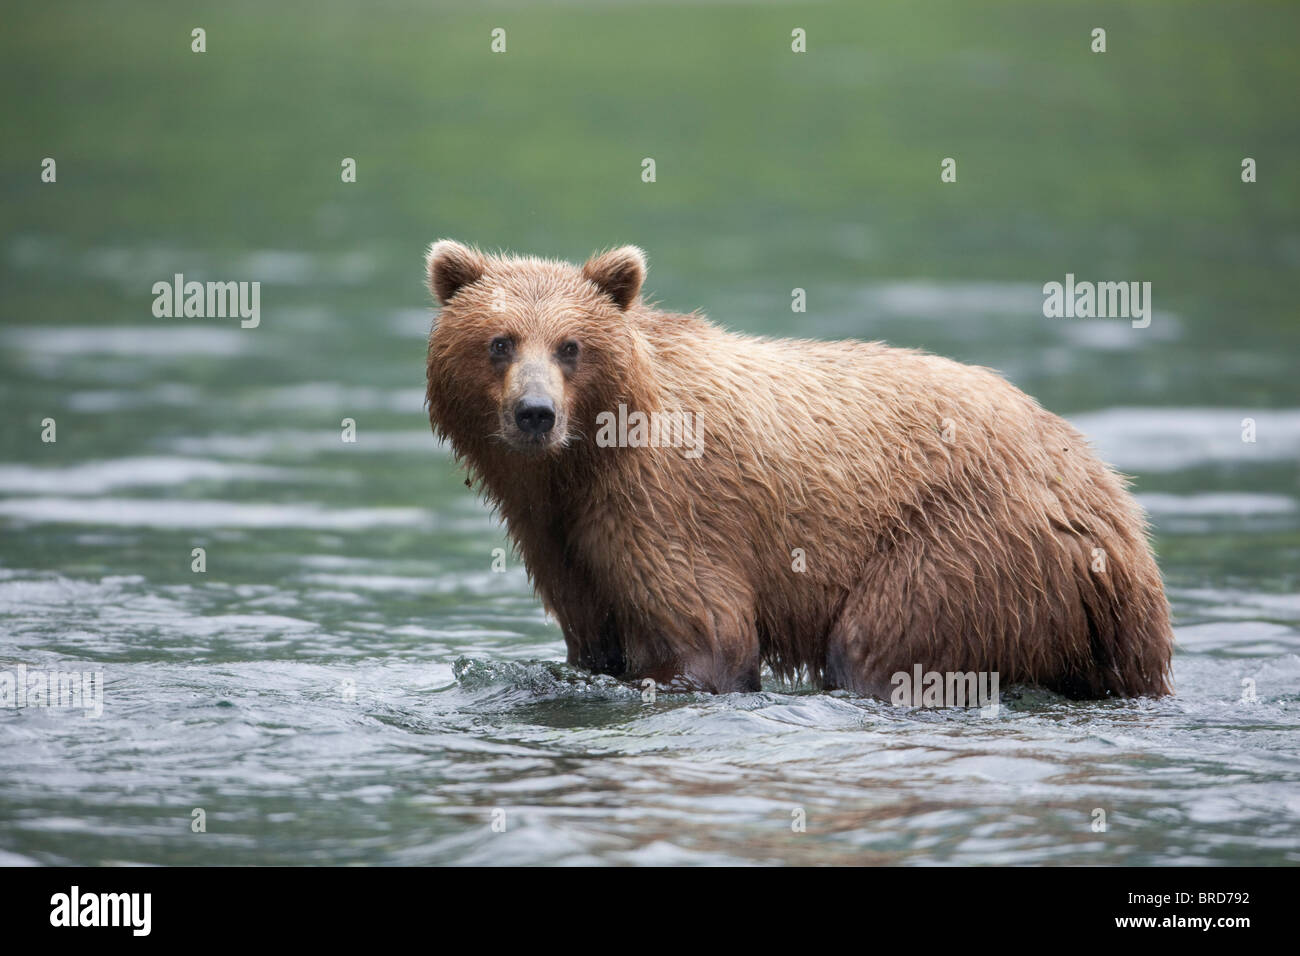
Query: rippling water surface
(350, 681)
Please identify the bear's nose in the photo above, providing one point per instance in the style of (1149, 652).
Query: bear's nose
(535, 416)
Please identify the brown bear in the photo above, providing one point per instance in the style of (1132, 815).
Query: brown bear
(693, 503)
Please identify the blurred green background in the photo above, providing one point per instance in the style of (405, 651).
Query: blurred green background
(774, 169)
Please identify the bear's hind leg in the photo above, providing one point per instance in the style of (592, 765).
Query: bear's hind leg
(902, 613)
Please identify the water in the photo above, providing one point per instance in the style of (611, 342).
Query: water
(349, 681)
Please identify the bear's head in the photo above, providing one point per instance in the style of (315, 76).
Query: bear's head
(526, 352)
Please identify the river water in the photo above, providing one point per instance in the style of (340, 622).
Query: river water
(350, 681)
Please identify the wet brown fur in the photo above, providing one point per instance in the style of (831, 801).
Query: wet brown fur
(967, 551)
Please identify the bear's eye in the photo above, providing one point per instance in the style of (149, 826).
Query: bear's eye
(569, 351)
(500, 346)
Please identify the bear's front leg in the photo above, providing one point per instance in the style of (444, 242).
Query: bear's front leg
(715, 651)
(701, 674)
(684, 611)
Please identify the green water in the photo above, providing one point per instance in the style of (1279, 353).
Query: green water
(349, 681)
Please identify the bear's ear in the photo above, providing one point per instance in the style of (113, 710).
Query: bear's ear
(617, 273)
(452, 266)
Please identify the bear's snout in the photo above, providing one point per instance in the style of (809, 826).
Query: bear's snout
(535, 415)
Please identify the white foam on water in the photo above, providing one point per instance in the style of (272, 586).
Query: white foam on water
(20, 592)
(1236, 603)
(142, 265)
(201, 513)
(940, 300)
(1229, 503)
(325, 395)
(1170, 439)
(922, 299)
(131, 341)
(1246, 638)
(512, 581)
(297, 268)
(297, 441)
(372, 582)
(108, 400)
(97, 477)
(1112, 335)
